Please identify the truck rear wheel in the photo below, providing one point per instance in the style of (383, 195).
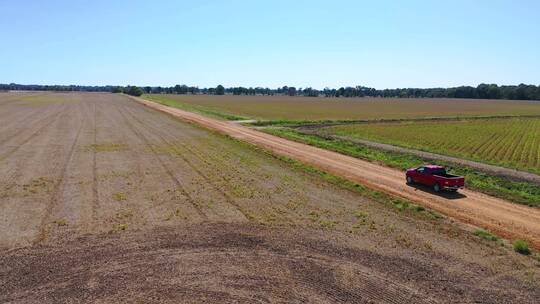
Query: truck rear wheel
(410, 181)
(436, 187)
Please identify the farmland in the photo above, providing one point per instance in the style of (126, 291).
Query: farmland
(321, 113)
(308, 108)
(513, 143)
(105, 200)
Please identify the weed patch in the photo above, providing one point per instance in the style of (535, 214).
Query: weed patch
(106, 147)
(486, 235)
(124, 214)
(61, 222)
(522, 247)
(119, 196)
(37, 185)
(176, 214)
(328, 224)
(120, 227)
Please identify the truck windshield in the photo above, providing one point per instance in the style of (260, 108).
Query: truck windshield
(441, 172)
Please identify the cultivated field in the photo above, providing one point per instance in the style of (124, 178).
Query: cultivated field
(308, 108)
(491, 174)
(513, 143)
(105, 200)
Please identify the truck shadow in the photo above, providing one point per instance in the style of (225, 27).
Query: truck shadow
(446, 194)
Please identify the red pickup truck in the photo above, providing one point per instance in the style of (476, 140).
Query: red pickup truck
(436, 177)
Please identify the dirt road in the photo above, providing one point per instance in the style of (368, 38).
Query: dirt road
(501, 217)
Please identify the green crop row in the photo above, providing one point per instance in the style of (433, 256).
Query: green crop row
(513, 143)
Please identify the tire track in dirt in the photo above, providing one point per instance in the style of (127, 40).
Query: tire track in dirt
(34, 134)
(13, 121)
(95, 191)
(193, 167)
(128, 136)
(141, 210)
(58, 186)
(165, 167)
(9, 184)
(508, 220)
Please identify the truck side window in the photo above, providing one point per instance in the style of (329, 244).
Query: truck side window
(421, 170)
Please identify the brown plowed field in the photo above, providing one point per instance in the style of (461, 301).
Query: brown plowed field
(104, 200)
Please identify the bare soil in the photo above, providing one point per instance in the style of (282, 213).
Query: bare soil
(246, 263)
(104, 200)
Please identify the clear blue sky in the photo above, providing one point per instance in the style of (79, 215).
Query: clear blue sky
(382, 44)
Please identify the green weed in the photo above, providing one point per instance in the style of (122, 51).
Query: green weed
(521, 246)
(486, 235)
(61, 222)
(106, 147)
(37, 185)
(120, 227)
(119, 196)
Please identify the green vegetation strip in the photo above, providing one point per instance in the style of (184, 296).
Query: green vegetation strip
(486, 235)
(518, 192)
(363, 122)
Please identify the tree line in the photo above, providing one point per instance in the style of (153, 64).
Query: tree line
(482, 91)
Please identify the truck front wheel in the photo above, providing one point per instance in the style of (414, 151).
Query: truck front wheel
(436, 187)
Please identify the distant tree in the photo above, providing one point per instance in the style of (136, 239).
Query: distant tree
(291, 91)
(220, 90)
(493, 92)
(485, 91)
(117, 90)
(157, 90)
(133, 91)
(193, 90)
(482, 90)
(178, 89)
